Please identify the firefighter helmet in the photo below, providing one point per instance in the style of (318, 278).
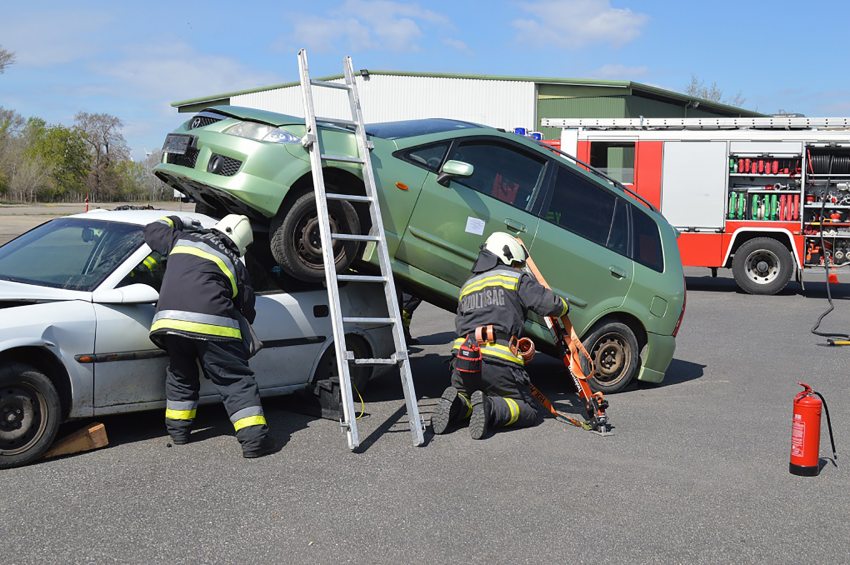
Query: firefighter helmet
(237, 228)
(505, 247)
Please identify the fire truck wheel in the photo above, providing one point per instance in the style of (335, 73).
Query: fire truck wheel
(762, 266)
(614, 349)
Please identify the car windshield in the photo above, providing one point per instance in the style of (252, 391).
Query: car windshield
(410, 128)
(69, 253)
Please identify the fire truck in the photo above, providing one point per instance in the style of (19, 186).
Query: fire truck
(767, 197)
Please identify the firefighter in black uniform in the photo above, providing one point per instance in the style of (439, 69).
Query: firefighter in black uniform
(205, 302)
(491, 311)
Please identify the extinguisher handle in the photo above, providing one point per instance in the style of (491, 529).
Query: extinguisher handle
(829, 425)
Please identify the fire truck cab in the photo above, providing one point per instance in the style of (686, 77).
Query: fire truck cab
(767, 197)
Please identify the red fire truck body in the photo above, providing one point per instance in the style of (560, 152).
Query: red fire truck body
(753, 194)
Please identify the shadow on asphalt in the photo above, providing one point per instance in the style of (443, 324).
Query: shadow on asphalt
(814, 289)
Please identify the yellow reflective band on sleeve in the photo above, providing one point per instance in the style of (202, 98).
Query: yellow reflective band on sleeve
(180, 414)
(510, 283)
(167, 220)
(258, 420)
(566, 307)
(209, 257)
(514, 408)
(196, 327)
(150, 262)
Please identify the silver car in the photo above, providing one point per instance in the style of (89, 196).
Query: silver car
(77, 297)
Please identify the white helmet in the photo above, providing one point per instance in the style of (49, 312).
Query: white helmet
(237, 228)
(505, 247)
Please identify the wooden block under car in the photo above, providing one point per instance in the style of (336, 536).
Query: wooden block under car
(91, 437)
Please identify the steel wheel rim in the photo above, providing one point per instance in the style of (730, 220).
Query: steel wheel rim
(22, 418)
(762, 266)
(308, 241)
(610, 357)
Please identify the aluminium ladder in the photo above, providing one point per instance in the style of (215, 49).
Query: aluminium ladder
(332, 279)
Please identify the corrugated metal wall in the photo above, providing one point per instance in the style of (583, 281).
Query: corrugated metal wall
(591, 107)
(497, 103)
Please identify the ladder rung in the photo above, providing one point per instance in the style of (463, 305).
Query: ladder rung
(342, 158)
(354, 237)
(361, 278)
(369, 320)
(349, 197)
(326, 84)
(336, 121)
(391, 361)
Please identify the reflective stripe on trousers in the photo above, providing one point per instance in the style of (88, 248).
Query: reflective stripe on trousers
(180, 410)
(250, 416)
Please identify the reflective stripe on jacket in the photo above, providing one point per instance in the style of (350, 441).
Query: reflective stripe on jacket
(205, 286)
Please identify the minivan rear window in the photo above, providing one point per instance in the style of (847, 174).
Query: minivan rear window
(646, 248)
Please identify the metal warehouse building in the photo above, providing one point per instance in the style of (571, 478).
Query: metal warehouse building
(499, 101)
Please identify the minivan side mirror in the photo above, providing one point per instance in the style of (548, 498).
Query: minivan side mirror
(454, 169)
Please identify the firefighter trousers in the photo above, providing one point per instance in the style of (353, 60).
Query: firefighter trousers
(508, 387)
(225, 364)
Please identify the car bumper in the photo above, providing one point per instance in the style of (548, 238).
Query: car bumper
(656, 357)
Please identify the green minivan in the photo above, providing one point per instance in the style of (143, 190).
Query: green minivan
(444, 186)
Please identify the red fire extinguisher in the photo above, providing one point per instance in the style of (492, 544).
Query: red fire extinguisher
(805, 433)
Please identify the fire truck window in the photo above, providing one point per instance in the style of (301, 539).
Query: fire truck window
(583, 207)
(500, 171)
(647, 242)
(615, 159)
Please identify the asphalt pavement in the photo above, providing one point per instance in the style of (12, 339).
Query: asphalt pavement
(696, 471)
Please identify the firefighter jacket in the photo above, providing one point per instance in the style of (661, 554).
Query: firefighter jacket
(502, 296)
(205, 288)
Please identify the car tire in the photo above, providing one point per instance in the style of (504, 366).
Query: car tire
(295, 243)
(614, 349)
(30, 414)
(360, 375)
(762, 266)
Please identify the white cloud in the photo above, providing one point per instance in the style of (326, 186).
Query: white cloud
(575, 23)
(620, 72)
(456, 44)
(42, 39)
(361, 25)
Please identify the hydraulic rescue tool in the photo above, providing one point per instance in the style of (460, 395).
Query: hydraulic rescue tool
(574, 356)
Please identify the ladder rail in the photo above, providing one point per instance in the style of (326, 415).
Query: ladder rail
(312, 139)
(364, 148)
(767, 122)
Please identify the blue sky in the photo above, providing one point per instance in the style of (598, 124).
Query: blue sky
(132, 59)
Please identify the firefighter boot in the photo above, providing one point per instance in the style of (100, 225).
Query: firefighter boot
(453, 407)
(482, 415)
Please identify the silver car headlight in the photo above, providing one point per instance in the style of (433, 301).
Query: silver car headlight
(262, 132)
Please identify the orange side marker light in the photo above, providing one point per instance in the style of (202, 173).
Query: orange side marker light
(401, 186)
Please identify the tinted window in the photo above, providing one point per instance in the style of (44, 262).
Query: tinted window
(647, 242)
(500, 171)
(586, 209)
(429, 156)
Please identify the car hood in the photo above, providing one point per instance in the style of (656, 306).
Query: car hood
(15, 294)
(271, 118)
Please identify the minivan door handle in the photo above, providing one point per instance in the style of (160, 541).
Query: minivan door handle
(617, 272)
(515, 226)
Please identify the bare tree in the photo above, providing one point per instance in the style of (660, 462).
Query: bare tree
(107, 146)
(6, 59)
(699, 89)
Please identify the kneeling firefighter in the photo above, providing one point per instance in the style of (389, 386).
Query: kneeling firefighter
(205, 307)
(489, 385)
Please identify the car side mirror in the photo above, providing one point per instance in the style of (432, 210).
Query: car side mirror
(454, 169)
(131, 294)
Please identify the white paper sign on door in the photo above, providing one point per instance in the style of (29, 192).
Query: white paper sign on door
(474, 226)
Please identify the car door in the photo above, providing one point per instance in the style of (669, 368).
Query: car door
(582, 245)
(451, 221)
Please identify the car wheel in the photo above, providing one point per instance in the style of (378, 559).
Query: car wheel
(614, 350)
(30, 413)
(762, 266)
(296, 244)
(360, 375)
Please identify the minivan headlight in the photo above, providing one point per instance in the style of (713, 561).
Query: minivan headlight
(262, 132)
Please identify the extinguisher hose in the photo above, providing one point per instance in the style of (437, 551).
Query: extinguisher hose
(829, 425)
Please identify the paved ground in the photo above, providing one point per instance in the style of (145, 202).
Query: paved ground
(696, 471)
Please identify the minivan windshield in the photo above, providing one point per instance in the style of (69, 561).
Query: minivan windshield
(69, 253)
